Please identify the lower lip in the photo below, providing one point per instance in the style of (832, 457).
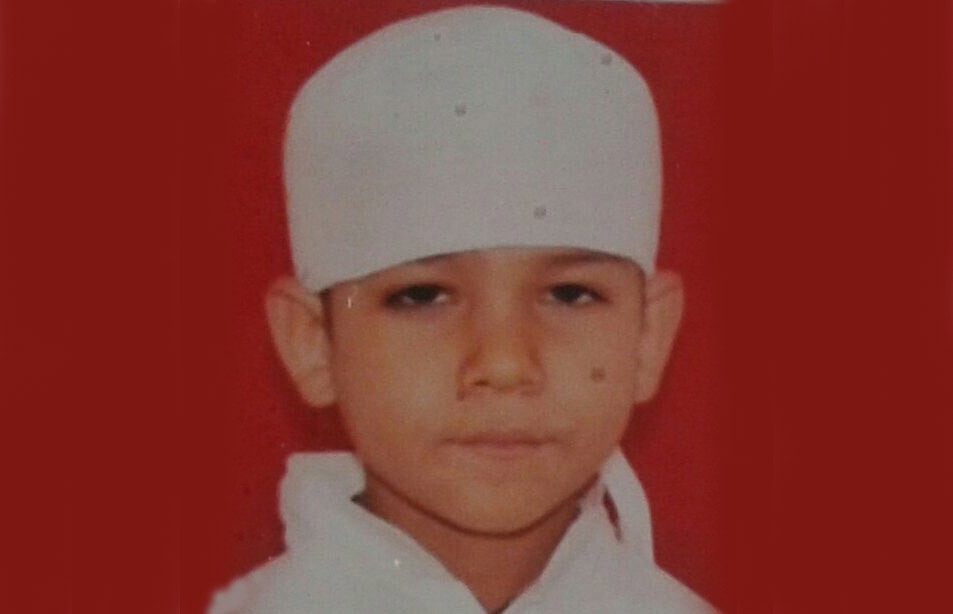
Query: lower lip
(501, 450)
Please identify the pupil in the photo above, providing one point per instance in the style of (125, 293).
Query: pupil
(569, 293)
(422, 294)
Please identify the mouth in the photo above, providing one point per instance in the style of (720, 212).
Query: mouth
(502, 445)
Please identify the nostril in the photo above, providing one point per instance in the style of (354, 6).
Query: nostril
(502, 377)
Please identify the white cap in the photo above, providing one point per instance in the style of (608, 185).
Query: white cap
(470, 128)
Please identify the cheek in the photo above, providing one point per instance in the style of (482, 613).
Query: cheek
(602, 399)
(390, 381)
(601, 351)
(599, 412)
(595, 376)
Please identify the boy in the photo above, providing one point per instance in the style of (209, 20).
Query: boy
(474, 202)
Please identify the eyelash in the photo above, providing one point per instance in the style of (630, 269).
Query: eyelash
(575, 292)
(426, 295)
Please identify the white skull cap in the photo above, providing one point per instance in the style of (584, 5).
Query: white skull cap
(470, 128)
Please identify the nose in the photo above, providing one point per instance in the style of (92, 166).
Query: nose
(502, 353)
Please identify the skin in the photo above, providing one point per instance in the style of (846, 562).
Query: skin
(482, 391)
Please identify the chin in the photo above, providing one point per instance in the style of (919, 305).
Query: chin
(506, 515)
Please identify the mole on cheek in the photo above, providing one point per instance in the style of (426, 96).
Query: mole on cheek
(597, 374)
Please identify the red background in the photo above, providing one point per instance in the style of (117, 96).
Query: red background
(141, 221)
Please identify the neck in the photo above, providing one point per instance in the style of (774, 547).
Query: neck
(495, 567)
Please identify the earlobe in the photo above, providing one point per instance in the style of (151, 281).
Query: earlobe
(664, 304)
(299, 330)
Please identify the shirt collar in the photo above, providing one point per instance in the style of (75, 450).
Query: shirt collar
(317, 508)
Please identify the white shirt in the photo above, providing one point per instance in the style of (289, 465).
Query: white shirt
(340, 558)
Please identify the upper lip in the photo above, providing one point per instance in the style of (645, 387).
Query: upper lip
(499, 438)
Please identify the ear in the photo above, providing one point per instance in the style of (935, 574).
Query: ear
(299, 330)
(664, 304)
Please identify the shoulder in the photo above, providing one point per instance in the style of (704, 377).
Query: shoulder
(285, 585)
(622, 576)
(302, 585)
(657, 591)
(244, 594)
(678, 597)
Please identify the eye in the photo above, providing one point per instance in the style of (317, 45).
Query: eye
(419, 295)
(574, 294)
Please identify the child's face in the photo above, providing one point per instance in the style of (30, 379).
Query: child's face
(486, 388)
